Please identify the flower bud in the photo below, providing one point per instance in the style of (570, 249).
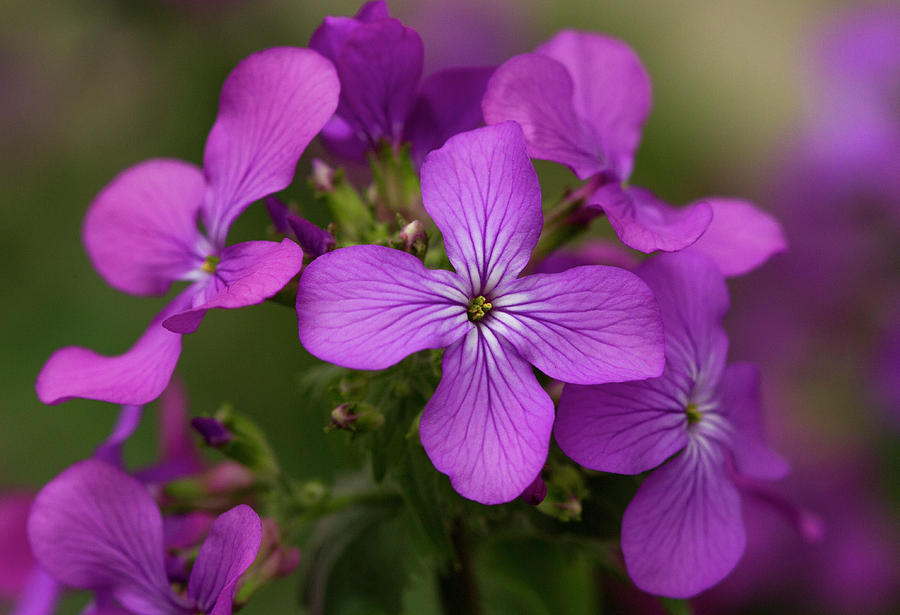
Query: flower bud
(213, 432)
(412, 239)
(535, 493)
(356, 417)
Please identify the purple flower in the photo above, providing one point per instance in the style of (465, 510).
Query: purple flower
(488, 424)
(582, 99)
(313, 240)
(379, 62)
(141, 231)
(95, 527)
(683, 531)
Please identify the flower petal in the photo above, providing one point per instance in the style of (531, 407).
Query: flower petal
(313, 240)
(537, 92)
(272, 105)
(483, 193)
(367, 307)
(611, 91)
(626, 428)
(178, 455)
(593, 252)
(586, 325)
(95, 527)
(249, 273)
(488, 424)
(449, 103)
(693, 300)
(683, 531)
(380, 65)
(17, 560)
(227, 552)
(740, 404)
(136, 377)
(40, 595)
(141, 231)
(740, 237)
(110, 450)
(645, 223)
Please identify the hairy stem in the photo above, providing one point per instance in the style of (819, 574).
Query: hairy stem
(457, 587)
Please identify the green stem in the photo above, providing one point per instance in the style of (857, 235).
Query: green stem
(567, 219)
(457, 588)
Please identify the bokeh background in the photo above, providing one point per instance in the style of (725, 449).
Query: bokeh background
(89, 87)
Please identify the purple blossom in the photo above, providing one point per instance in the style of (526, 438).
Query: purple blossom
(313, 240)
(141, 231)
(582, 99)
(682, 532)
(379, 62)
(488, 423)
(95, 527)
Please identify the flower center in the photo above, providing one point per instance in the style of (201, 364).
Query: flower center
(693, 413)
(478, 308)
(209, 265)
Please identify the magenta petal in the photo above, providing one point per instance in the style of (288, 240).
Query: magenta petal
(449, 103)
(40, 594)
(537, 92)
(272, 105)
(178, 455)
(380, 65)
(95, 527)
(693, 300)
(645, 223)
(227, 552)
(367, 307)
(136, 377)
(740, 404)
(488, 424)
(683, 531)
(483, 193)
(249, 273)
(626, 428)
(110, 450)
(17, 560)
(141, 231)
(611, 91)
(740, 237)
(587, 325)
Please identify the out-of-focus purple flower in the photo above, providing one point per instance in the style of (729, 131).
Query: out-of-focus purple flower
(596, 252)
(141, 231)
(488, 424)
(17, 561)
(314, 241)
(682, 532)
(36, 592)
(95, 527)
(379, 62)
(582, 99)
(853, 568)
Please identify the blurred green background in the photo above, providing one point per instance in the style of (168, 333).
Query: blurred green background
(89, 87)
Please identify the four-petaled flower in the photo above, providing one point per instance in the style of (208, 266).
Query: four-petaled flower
(582, 99)
(683, 531)
(142, 234)
(488, 424)
(379, 62)
(95, 527)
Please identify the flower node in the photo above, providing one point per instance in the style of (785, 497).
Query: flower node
(478, 308)
(209, 265)
(693, 414)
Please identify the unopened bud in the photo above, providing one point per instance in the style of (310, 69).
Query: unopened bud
(322, 176)
(214, 433)
(412, 239)
(535, 493)
(357, 417)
